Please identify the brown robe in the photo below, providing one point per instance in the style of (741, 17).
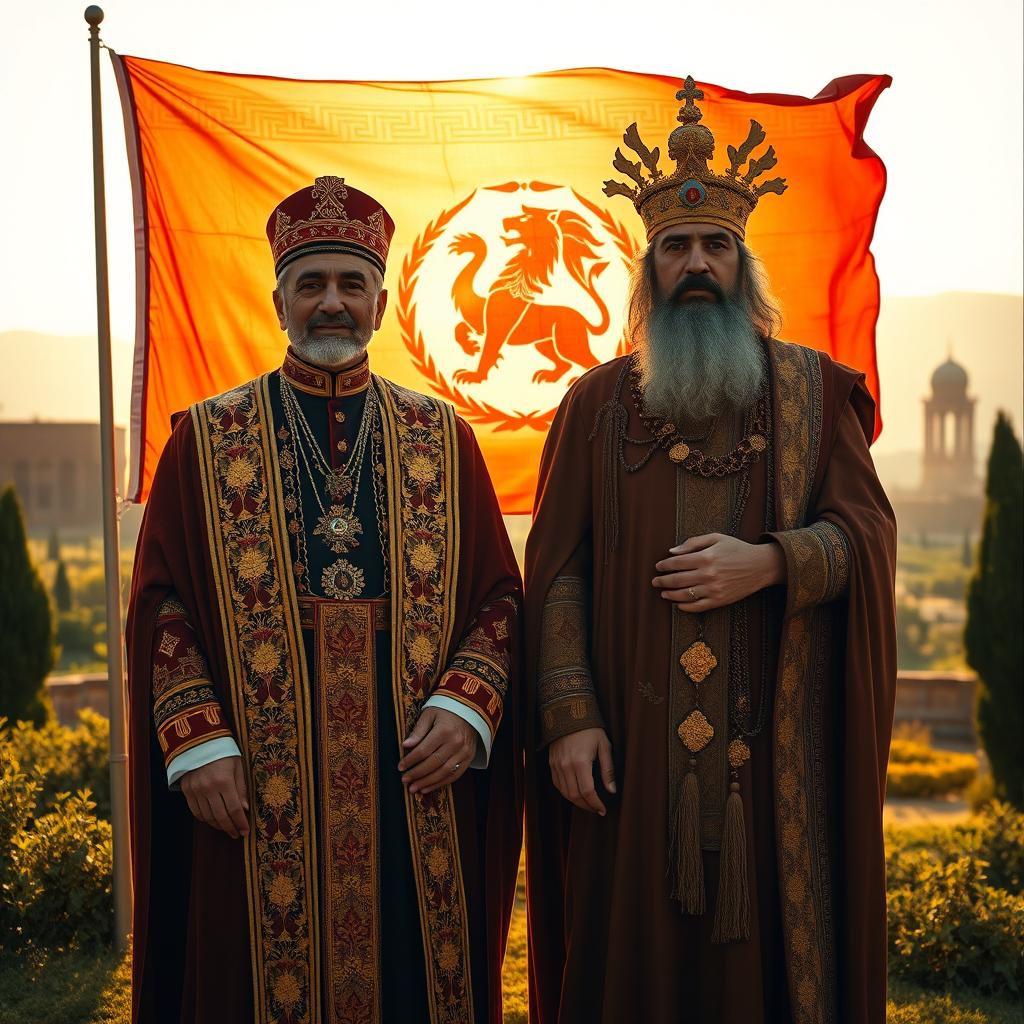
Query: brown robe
(608, 941)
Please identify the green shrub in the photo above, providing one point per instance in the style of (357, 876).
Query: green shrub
(918, 770)
(951, 930)
(981, 792)
(90, 587)
(956, 913)
(17, 805)
(75, 630)
(1000, 844)
(66, 760)
(58, 887)
(55, 853)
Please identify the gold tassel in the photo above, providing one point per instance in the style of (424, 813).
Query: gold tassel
(689, 887)
(732, 914)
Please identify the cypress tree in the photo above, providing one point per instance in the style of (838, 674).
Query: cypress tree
(53, 546)
(62, 588)
(966, 554)
(26, 627)
(995, 611)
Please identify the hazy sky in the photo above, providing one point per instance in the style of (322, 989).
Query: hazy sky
(949, 129)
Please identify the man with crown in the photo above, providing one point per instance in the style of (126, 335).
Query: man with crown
(326, 771)
(710, 633)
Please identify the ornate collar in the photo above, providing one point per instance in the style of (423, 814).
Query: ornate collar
(316, 381)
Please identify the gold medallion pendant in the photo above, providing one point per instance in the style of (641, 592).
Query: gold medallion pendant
(679, 452)
(343, 581)
(339, 528)
(698, 661)
(695, 731)
(739, 754)
(339, 485)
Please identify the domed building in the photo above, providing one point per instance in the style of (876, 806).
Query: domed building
(949, 460)
(947, 503)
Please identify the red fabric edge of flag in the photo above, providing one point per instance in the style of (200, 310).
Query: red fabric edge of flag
(862, 151)
(140, 361)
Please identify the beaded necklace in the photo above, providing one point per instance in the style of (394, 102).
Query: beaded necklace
(338, 526)
(666, 435)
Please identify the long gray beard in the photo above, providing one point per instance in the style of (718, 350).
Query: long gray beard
(700, 360)
(326, 352)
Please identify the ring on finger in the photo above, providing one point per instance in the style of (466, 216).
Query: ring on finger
(691, 594)
(456, 767)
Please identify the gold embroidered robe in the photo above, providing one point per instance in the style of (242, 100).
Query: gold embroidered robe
(291, 923)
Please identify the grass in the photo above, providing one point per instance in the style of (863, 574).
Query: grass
(68, 988)
(514, 971)
(77, 989)
(911, 1005)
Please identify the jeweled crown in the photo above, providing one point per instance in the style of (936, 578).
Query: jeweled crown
(692, 193)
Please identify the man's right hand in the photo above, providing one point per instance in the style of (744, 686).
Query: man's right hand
(572, 760)
(216, 795)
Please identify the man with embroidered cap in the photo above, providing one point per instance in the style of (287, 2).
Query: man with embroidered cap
(710, 644)
(322, 640)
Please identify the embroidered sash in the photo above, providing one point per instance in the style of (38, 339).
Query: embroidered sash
(421, 457)
(804, 881)
(269, 692)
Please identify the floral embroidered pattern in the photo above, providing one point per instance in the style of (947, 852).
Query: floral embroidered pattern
(245, 516)
(421, 458)
(347, 722)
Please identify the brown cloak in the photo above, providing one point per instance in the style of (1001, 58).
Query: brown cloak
(607, 941)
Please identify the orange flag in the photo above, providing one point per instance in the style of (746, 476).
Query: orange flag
(479, 176)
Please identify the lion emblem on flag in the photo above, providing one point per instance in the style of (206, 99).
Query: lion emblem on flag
(505, 299)
(511, 312)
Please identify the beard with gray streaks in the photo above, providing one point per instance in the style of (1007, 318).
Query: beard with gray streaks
(329, 352)
(699, 359)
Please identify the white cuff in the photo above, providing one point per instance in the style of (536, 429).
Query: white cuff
(483, 748)
(196, 757)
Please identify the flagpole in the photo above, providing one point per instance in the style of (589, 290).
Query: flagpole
(111, 548)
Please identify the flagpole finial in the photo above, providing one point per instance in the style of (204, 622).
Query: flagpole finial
(94, 15)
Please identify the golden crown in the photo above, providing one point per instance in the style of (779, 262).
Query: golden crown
(692, 194)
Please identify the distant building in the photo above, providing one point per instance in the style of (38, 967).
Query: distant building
(55, 468)
(949, 434)
(948, 501)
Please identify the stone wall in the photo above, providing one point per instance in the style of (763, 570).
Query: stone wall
(943, 701)
(72, 693)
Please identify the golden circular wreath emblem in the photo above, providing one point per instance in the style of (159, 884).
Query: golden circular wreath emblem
(498, 299)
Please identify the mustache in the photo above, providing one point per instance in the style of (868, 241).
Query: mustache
(342, 319)
(697, 283)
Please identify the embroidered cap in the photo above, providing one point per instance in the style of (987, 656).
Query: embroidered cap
(329, 216)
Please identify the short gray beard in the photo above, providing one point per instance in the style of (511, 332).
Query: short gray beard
(700, 359)
(329, 353)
